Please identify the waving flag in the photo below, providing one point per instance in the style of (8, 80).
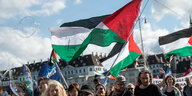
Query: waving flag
(54, 57)
(50, 71)
(178, 43)
(188, 72)
(123, 59)
(168, 71)
(70, 41)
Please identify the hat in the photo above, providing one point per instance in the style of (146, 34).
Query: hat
(87, 88)
(120, 78)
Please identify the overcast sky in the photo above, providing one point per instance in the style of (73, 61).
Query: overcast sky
(24, 24)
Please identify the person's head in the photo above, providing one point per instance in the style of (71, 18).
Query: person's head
(54, 89)
(144, 78)
(42, 84)
(72, 90)
(169, 80)
(87, 90)
(77, 86)
(188, 80)
(131, 88)
(96, 81)
(178, 86)
(100, 89)
(120, 82)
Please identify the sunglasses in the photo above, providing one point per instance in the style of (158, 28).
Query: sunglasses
(100, 88)
(130, 88)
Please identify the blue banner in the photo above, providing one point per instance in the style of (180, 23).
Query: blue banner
(50, 72)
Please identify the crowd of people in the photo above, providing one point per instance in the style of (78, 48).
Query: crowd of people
(144, 87)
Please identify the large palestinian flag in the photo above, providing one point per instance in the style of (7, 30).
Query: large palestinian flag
(70, 41)
(177, 44)
(124, 58)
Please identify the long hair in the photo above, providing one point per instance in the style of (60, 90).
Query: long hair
(171, 78)
(52, 83)
(144, 72)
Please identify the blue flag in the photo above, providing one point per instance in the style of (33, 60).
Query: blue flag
(50, 72)
(168, 71)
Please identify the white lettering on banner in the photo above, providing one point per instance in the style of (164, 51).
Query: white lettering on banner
(180, 80)
(53, 71)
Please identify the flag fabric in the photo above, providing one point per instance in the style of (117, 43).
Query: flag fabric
(70, 41)
(49, 71)
(168, 71)
(54, 57)
(177, 43)
(103, 74)
(156, 77)
(188, 72)
(124, 58)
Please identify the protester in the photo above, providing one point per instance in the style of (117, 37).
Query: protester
(120, 89)
(170, 89)
(73, 90)
(86, 90)
(178, 86)
(187, 90)
(162, 84)
(100, 90)
(77, 86)
(54, 89)
(42, 85)
(131, 88)
(145, 86)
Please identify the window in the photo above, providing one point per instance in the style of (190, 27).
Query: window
(71, 72)
(83, 70)
(76, 71)
(131, 74)
(80, 71)
(90, 69)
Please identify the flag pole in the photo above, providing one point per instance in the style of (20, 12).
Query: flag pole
(62, 75)
(59, 69)
(144, 58)
(126, 42)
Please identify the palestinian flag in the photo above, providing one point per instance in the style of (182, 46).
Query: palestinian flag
(177, 43)
(54, 57)
(188, 72)
(69, 41)
(124, 58)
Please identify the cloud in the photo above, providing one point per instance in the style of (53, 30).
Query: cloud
(150, 39)
(13, 8)
(78, 1)
(179, 8)
(16, 50)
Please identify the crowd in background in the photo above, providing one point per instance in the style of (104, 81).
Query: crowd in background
(144, 87)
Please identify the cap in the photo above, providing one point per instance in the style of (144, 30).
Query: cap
(87, 89)
(120, 78)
